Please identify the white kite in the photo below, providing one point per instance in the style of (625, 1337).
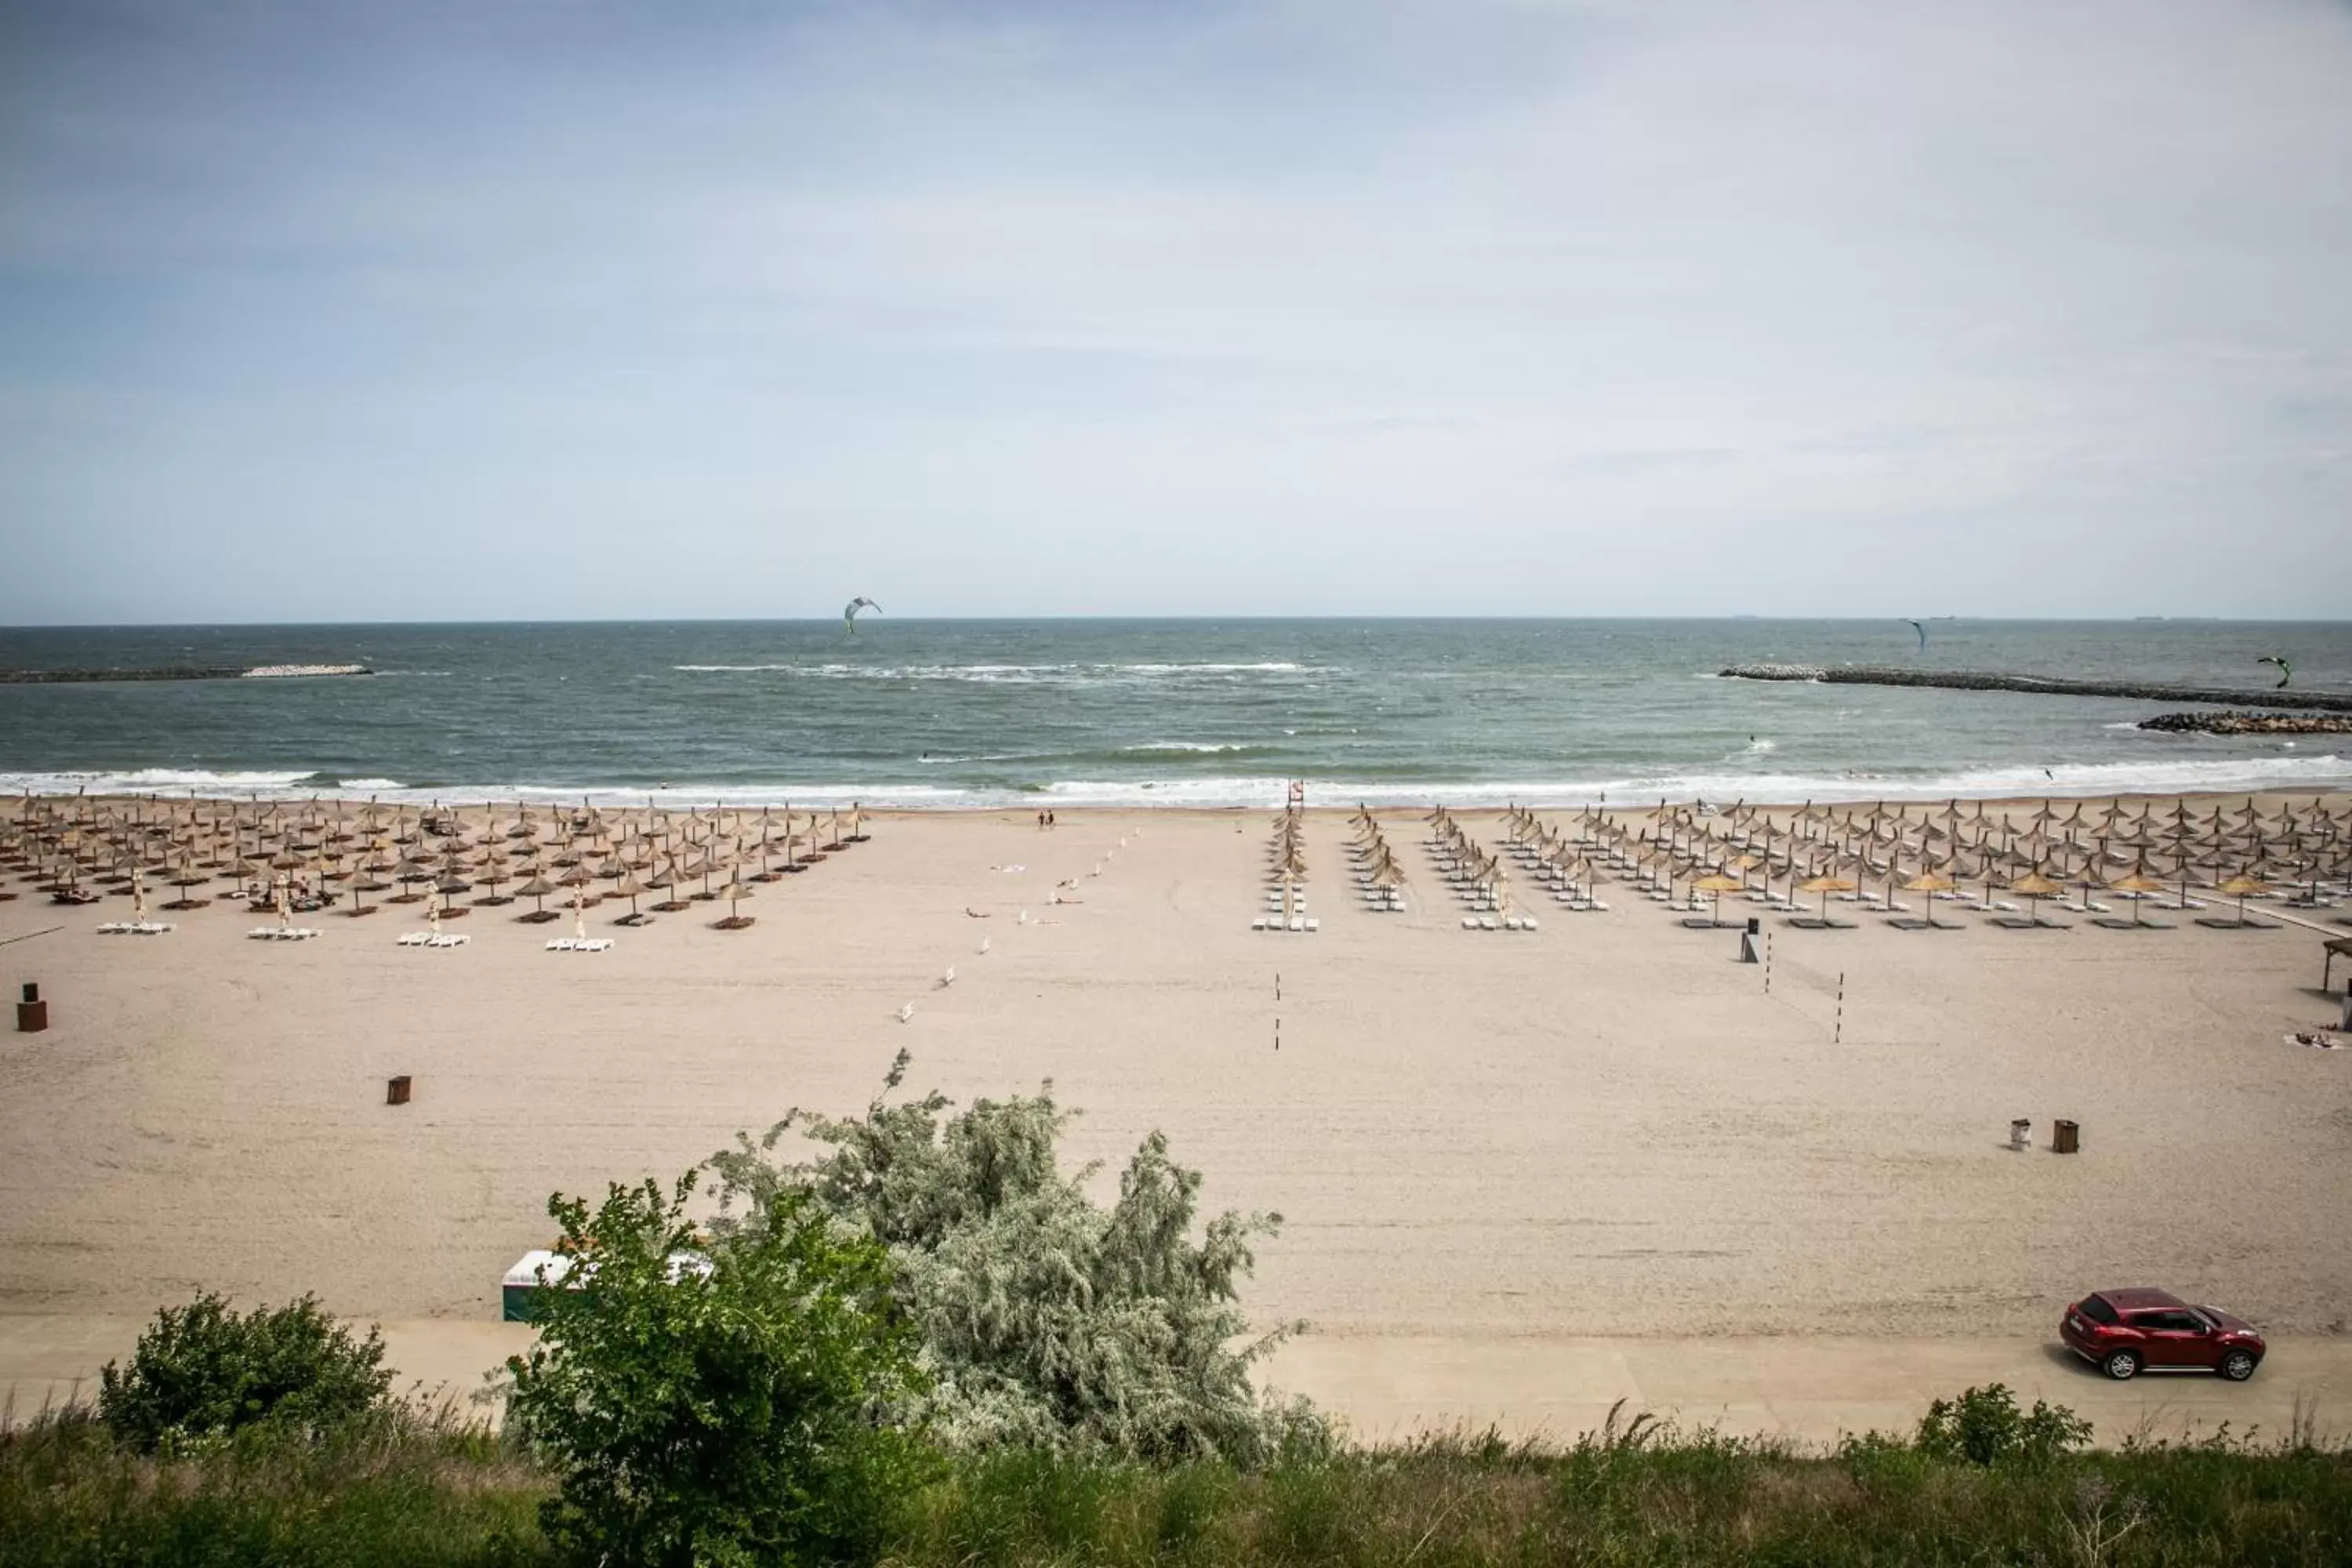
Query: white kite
(849, 614)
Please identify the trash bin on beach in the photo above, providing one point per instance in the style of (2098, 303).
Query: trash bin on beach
(2021, 1133)
(2065, 1137)
(396, 1090)
(32, 1012)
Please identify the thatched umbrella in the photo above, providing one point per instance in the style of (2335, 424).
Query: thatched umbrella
(2138, 883)
(1825, 885)
(2034, 886)
(737, 890)
(537, 889)
(1718, 884)
(629, 887)
(2241, 887)
(667, 880)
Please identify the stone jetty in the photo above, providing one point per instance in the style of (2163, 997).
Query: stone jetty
(2051, 686)
(175, 672)
(2229, 724)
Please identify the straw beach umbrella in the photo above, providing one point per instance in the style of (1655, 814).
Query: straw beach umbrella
(538, 889)
(2139, 884)
(2241, 887)
(1825, 885)
(737, 890)
(629, 887)
(2034, 886)
(1718, 884)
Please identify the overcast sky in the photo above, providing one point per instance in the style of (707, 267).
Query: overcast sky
(539, 309)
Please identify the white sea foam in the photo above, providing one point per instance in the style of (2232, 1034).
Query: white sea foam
(1013, 674)
(184, 778)
(1274, 667)
(2226, 776)
(201, 781)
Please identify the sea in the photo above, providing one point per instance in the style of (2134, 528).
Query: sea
(951, 714)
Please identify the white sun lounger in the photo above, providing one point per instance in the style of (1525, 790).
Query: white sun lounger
(1258, 924)
(448, 940)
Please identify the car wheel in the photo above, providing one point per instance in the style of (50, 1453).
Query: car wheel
(2122, 1366)
(2239, 1365)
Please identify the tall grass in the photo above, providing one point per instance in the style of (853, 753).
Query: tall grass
(410, 1491)
(396, 1487)
(1639, 1494)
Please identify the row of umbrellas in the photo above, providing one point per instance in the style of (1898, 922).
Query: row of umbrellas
(1371, 850)
(2236, 852)
(323, 850)
(1285, 856)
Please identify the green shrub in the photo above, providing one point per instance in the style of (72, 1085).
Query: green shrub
(1984, 1426)
(739, 1406)
(202, 1370)
(1046, 1320)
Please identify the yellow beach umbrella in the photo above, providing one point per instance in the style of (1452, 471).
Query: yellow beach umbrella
(1825, 885)
(1718, 884)
(2034, 886)
(2241, 887)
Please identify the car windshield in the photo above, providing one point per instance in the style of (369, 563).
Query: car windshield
(2095, 1307)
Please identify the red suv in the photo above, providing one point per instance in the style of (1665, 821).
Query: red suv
(2122, 1331)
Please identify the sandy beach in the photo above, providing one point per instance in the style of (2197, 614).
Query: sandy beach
(1602, 1127)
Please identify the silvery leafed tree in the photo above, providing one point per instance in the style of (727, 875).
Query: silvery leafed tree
(1045, 1319)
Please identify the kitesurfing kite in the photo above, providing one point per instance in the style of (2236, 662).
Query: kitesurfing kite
(1915, 626)
(849, 614)
(2286, 671)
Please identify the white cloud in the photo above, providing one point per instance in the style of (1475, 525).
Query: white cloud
(1320, 309)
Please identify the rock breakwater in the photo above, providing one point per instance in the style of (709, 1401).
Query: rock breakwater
(175, 672)
(2229, 724)
(2049, 686)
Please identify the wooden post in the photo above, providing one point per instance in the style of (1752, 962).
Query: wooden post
(1838, 1036)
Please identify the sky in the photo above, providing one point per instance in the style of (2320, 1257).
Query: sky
(564, 309)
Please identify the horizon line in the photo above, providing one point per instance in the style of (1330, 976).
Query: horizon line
(1165, 620)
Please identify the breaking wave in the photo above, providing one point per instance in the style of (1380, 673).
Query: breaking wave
(1256, 790)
